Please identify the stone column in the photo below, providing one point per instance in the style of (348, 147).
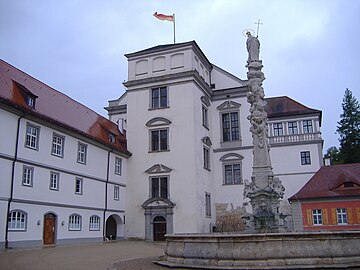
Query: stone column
(264, 190)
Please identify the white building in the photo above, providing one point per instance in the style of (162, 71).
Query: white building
(187, 129)
(62, 166)
(180, 151)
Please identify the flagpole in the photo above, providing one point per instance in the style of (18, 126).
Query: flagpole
(174, 27)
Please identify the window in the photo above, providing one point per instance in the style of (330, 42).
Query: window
(30, 101)
(159, 140)
(54, 180)
(206, 158)
(292, 128)
(32, 136)
(57, 145)
(232, 173)
(159, 187)
(307, 126)
(159, 98)
(317, 217)
(17, 220)
(305, 158)
(75, 222)
(94, 224)
(28, 173)
(205, 117)
(116, 193)
(81, 156)
(230, 126)
(118, 162)
(78, 185)
(207, 205)
(341, 216)
(278, 129)
(111, 138)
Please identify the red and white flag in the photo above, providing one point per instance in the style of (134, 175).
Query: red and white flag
(164, 17)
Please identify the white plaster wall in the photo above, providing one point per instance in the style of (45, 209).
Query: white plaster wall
(8, 133)
(36, 213)
(222, 79)
(5, 178)
(3, 209)
(96, 163)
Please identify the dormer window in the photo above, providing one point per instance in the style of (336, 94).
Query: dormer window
(111, 138)
(28, 96)
(348, 184)
(30, 101)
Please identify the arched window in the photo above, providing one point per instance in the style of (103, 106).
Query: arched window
(17, 220)
(75, 222)
(232, 169)
(94, 224)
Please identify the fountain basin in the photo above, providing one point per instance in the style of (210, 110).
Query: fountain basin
(297, 250)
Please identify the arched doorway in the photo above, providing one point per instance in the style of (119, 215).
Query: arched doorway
(111, 228)
(49, 229)
(159, 228)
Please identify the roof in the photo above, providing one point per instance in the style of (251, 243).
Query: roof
(56, 107)
(333, 181)
(285, 106)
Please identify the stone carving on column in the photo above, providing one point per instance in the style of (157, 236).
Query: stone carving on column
(264, 190)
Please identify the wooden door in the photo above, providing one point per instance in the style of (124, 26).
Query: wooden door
(49, 229)
(159, 229)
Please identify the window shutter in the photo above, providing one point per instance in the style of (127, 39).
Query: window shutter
(333, 216)
(309, 217)
(350, 216)
(325, 217)
(358, 215)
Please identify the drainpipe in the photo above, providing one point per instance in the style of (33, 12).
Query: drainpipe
(12, 184)
(106, 194)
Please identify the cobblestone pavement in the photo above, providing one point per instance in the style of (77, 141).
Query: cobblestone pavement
(102, 256)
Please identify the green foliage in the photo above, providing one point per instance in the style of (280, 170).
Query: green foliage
(349, 129)
(334, 154)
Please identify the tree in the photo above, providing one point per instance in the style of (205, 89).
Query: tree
(349, 129)
(334, 154)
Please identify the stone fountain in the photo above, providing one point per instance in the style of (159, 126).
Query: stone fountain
(265, 244)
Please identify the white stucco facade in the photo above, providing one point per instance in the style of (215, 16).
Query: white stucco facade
(192, 87)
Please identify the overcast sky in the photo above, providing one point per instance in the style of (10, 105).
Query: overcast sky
(310, 49)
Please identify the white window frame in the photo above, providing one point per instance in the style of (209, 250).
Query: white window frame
(57, 145)
(207, 205)
(94, 223)
(32, 136)
(118, 165)
(79, 182)
(158, 105)
(160, 148)
(27, 176)
(205, 116)
(278, 129)
(82, 152)
(317, 217)
(74, 222)
(231, 126)
(308, 126)
(341, 214)
(159, 179)
(233, 180)
(54, 180)
(116, 193)
(17, 220)
(305, 157)
(293, 128)
(206, 158)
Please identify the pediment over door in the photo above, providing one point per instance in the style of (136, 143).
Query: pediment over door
(158, 203)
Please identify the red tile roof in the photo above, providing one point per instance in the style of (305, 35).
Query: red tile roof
(328, 182)
(54, 106)
(285, 106)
